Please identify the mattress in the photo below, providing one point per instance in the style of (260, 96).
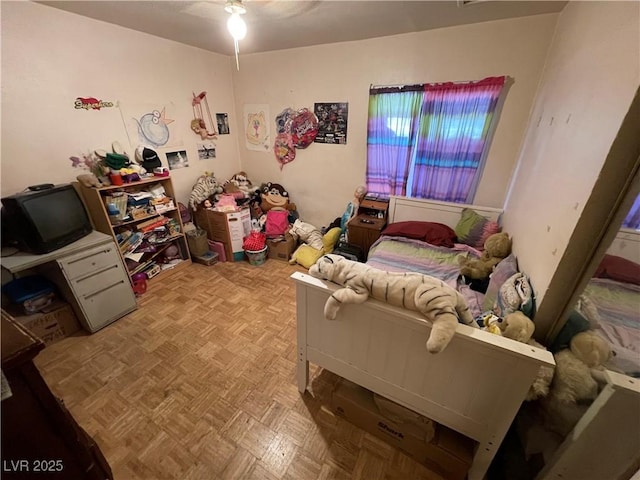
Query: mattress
(400, 254)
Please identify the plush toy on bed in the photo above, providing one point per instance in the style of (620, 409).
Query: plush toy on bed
(575, 383)
(439, 303)
(496, 248)
(517, 326)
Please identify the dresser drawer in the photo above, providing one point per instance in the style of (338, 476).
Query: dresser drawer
(107, 304)
(90, 261)
(95, 281)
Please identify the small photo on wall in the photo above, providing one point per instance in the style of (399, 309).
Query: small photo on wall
(177, 159)
(223, 123)
(206, 150)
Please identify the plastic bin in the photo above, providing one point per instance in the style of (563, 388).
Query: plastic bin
(256, 257)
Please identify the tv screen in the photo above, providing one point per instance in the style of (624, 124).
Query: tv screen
(45, 220)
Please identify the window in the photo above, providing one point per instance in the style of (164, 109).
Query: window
(632, 220)
(430, 141)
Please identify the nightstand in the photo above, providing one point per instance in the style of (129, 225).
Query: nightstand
(363, 230)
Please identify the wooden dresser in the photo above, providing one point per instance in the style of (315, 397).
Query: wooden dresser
(40, 438)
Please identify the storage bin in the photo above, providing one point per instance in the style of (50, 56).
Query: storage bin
(197, 240)
(256, 257)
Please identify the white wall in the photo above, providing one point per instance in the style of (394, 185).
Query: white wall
(589, 81)
(322, 178)
(50, 57)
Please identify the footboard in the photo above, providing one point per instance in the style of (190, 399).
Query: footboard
(475, 386)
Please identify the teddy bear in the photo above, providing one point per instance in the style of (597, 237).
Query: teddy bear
(442, 305)
(496, 248)
(575, 383)
(89, 180)
(517, 326)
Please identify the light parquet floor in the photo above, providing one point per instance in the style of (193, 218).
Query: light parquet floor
(199, 384)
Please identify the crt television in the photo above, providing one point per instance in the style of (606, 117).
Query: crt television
(44, 220)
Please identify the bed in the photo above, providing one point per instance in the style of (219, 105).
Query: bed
(605, 443)
(475, 386)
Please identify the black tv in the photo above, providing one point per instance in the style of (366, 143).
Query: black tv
(44, 220)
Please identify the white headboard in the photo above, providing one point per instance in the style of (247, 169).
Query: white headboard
(626, 245)
(402, 209)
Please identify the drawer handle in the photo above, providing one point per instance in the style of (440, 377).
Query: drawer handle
(87, 297)
(75, 260)
(93, 274)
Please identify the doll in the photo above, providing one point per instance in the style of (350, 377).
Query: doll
(352, 209)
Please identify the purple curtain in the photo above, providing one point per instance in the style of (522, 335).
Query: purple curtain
(454, 126)
(428, 141)
(391, 135)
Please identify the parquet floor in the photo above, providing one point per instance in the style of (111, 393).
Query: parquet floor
(199, 383)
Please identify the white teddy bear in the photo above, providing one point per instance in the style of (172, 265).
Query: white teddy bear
(439, 303)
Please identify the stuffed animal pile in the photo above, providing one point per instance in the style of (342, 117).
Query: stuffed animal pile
(443, 306)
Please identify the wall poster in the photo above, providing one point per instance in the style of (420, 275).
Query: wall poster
(150, 124)
(257, 133)
(332, 122)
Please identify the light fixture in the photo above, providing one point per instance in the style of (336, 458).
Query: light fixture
(236, 26)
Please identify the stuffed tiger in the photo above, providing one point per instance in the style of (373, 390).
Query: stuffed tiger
(205, 187)
(442, 305)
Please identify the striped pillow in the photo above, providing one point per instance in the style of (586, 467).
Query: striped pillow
(473, 229)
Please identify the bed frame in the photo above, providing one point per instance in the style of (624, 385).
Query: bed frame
(475, 386)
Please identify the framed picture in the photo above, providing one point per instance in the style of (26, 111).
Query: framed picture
(223, 123)
(206, 150)
(177, 159)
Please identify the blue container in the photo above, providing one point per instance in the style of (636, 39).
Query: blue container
(22, 289)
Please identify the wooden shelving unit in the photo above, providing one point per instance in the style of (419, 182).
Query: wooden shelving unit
(96, 202)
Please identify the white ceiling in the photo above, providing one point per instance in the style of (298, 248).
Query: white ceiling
(282, 24)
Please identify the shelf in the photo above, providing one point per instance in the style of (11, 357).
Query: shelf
(94, 201)
(142, 219)
(145, 263)
(125, 186)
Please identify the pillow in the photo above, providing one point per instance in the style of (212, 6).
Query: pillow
(619, 269)
(473, 229)
(434, 233)
(330, 239)
(503, 271)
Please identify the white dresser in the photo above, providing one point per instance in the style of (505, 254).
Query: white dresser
(90, 276)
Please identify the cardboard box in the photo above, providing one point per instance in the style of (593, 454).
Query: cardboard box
(449, 454)
(56, 322)
(281, 249)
